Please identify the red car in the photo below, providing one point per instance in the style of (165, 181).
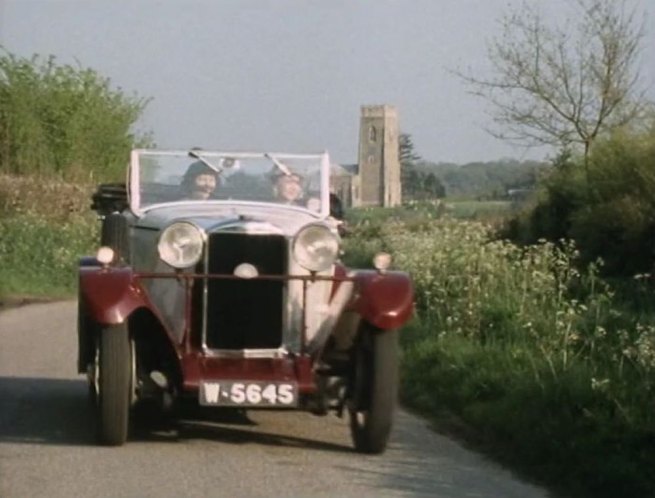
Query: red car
(218, 280)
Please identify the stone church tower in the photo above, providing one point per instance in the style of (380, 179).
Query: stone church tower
(378, 180)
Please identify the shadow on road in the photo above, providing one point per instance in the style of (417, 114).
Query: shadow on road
(45, 411)
(234, 435)
(57, 412)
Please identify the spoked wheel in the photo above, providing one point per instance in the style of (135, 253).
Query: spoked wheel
(374, 389)
(111, 383)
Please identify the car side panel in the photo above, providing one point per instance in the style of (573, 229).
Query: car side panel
(385, 300)
(110, 294)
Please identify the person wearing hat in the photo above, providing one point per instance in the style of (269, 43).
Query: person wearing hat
(199, 181)
(287, 188)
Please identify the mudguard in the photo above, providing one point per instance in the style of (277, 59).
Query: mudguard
(110, 294)
(385, 300)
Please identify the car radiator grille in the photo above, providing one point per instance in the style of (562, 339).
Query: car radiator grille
(242, 313)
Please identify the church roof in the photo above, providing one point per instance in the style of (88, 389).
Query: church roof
(345, 169)
(342, 169)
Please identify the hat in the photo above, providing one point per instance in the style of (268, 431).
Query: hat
(275, 174)
(195, 169)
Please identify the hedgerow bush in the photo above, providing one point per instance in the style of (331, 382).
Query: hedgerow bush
(63, 120)
(609, 211)
(46, 225)
(39, 257)
(62, 129)
(536, 354)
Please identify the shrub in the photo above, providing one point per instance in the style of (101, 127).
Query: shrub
(533, 350)
(38, 257)
(63, 120)
(611, 216)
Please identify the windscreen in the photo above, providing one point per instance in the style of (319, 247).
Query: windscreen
(206, 176)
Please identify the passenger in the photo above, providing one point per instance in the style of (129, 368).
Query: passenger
(199, 181)
(287, 188)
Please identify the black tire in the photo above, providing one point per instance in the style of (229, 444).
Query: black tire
(85, 343)
(374, 390)
(114, 234)
(115, 383)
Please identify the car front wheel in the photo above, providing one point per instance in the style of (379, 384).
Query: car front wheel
(374, 389)
(114, 379)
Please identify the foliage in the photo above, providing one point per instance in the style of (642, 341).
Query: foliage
(63, 120)
(612, 216)
(541, 358)
(490, 180)
(38, 257)
(417, 185)
(46, 225)
(564, 85)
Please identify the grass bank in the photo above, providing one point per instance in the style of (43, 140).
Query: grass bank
(45, 226)
(541, 363)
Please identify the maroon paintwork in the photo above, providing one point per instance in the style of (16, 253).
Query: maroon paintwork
(111, 294)
(197, 367)
(386, 300)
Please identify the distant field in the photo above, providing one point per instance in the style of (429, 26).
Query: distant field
(477, 209)
(422, 210)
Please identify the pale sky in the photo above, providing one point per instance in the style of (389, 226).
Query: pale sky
(287, 75)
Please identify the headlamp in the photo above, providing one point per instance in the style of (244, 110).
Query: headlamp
(316, 247)
(180, 245)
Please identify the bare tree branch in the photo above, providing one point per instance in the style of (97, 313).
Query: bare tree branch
(563, 85)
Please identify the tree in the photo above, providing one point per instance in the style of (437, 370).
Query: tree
(406, 154)
(64, 120)
(409, 177)
(564, 85)
(432, 186)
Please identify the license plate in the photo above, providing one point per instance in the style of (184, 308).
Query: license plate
(249, 393)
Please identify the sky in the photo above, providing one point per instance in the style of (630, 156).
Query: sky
(289, 75)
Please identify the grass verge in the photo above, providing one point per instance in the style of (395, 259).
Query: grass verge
(534, 359)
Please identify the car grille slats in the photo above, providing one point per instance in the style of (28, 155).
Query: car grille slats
(240, 313)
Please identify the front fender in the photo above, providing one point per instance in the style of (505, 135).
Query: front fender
(110, 294)
(385, 300)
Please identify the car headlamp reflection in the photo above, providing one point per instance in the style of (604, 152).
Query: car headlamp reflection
(180, 245)
(316, 248)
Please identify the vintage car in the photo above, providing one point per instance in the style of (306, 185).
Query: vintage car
(235, 297)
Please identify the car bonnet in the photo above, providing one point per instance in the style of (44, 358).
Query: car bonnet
(243, 217)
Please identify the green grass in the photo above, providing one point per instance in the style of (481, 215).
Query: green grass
(557, 430)
(38, 257)
(470, 209)
(45, 226)
(534, 359)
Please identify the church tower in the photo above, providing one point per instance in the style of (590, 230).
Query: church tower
(379, 165)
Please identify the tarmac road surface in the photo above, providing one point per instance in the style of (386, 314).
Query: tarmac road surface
(47, 444)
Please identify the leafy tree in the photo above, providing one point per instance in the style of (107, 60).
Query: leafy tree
(432, 186)
(416, 184)
(63, 120)
(617, 224)
(406, 154)
(408, 158)
(564, 85)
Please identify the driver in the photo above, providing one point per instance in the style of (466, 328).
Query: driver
(199, 181)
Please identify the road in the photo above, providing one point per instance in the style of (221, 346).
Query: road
(47, 446)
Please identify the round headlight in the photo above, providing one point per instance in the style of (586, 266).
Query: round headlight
(180, 245)
(316, 248)
(105, 255)
(382, 261)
